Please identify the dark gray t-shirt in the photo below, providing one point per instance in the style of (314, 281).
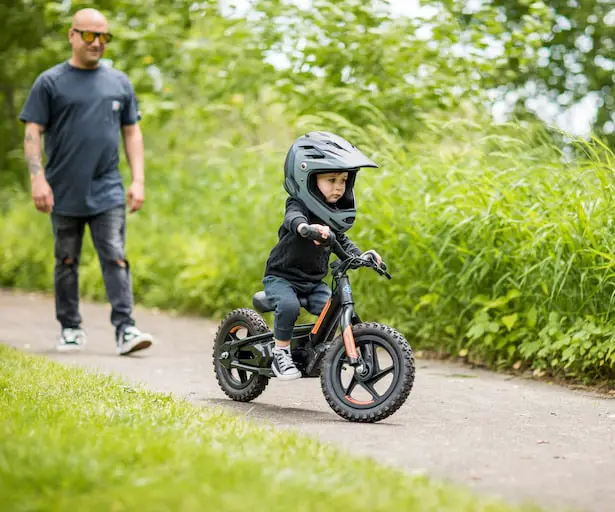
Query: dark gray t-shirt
(82, 112)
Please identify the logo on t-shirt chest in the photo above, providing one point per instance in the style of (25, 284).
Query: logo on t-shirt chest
(115, 105)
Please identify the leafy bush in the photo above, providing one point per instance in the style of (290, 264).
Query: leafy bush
(499, 242)
(499, 246)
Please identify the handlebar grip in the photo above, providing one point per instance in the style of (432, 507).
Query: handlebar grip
(312, 234)
(368, 255)
(380, 268)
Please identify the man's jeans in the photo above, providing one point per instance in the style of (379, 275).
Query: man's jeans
(108, 235)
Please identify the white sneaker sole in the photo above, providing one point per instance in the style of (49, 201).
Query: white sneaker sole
(69, 348)
(292, 376)
(134, 347)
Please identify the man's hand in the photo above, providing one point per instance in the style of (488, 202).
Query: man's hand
(133, 144)
(135, 196)
(42, 194)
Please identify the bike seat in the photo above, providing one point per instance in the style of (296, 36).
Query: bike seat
(263, 305)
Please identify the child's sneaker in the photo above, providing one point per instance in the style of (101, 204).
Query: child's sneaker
(283, 365)
(71, 339)
(132, 339)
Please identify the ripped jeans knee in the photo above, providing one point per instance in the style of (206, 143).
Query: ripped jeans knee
(121, 263)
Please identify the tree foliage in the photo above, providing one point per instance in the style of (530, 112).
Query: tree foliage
(351, 57)
(184, 57)
(563, 49)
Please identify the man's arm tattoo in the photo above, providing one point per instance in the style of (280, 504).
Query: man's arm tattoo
(32, 145)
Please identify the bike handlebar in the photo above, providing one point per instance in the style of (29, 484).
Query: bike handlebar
(367, 260)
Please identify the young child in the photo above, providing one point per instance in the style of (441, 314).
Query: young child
(319, 171)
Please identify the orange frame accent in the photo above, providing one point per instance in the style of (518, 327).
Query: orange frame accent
(321, 317)
(351, 348)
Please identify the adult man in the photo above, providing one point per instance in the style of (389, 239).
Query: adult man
(81, 107)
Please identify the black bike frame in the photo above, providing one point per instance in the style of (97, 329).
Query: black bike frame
(339, 308)
(312, 337)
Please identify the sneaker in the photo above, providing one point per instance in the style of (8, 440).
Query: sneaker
(132, 339)
(283, 366)
(71, 340)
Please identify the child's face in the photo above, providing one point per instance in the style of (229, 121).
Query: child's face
(332, 185)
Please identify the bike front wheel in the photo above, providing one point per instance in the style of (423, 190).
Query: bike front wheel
(381, 386)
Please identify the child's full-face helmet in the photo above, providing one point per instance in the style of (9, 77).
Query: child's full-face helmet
(323, 152)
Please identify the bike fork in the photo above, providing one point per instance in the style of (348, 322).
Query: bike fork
(348, 316)
(348, 337)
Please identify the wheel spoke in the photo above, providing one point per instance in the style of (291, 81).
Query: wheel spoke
(370, 389)
(351, 386)
(380, 375)
(369, 356)
(243, 376)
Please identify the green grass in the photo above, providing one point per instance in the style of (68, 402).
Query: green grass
(72, 440)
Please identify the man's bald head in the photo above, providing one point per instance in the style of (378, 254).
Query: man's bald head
(88, 16)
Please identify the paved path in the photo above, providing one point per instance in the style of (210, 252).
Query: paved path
(498, 434)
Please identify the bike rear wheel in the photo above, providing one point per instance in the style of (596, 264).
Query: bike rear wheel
(384, 385)
(238, 384)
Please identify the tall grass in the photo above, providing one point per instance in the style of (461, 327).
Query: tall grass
(500, 246)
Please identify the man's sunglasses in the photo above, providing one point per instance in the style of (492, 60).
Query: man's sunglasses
(89, 37)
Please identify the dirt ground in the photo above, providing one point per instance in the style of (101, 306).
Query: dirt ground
(497, 434)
